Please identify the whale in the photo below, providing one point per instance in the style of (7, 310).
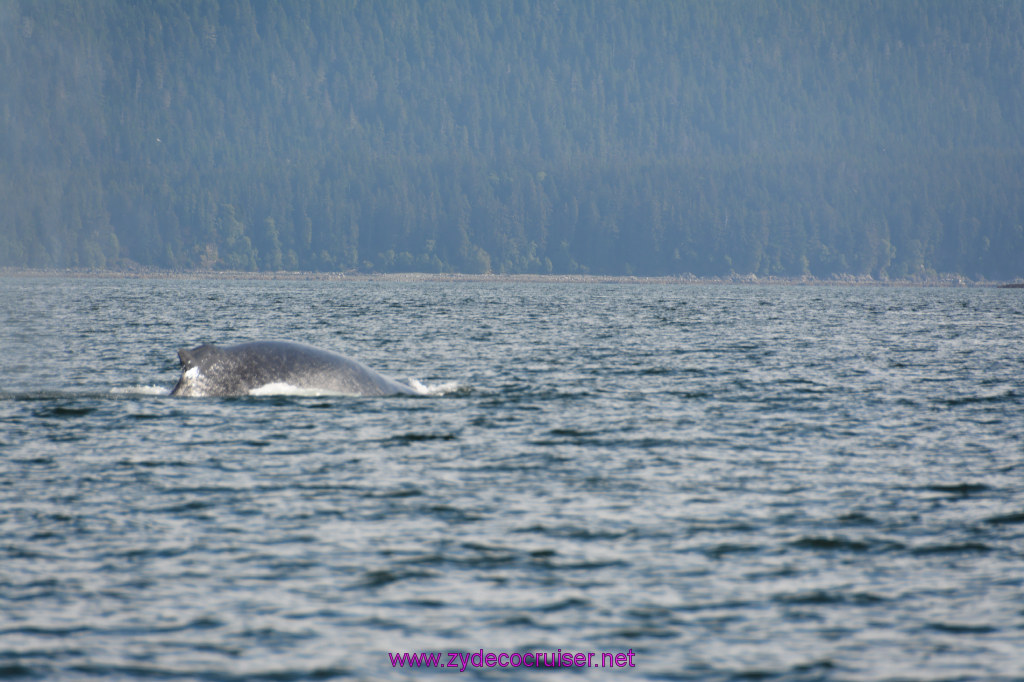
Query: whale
(215, 371)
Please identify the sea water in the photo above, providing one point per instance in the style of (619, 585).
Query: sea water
(700, 482)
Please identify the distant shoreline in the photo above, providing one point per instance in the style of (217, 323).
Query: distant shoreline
(836, 280)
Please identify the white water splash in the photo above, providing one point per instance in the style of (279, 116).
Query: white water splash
(284, 388)
(434, 389)
(140, 390)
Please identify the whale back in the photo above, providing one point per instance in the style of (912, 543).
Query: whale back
(210, 370)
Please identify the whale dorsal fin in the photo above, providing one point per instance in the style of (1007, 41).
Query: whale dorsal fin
(195, 357)
(186, 358)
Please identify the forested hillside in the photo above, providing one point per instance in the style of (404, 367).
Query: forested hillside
(881, 137)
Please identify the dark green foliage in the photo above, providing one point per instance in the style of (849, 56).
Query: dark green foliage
(881, 137)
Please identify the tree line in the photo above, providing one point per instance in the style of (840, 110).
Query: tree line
(567, 136)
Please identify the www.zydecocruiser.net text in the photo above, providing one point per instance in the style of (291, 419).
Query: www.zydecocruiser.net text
(462, 660)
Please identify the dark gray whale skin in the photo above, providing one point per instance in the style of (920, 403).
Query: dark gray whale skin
(210, 370)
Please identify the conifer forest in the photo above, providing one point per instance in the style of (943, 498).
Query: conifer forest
(644, 137)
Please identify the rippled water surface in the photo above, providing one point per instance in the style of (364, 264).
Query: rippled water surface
(730, 482)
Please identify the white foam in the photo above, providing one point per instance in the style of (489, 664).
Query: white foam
(434, 389)
(283, 388)
(140, 390)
